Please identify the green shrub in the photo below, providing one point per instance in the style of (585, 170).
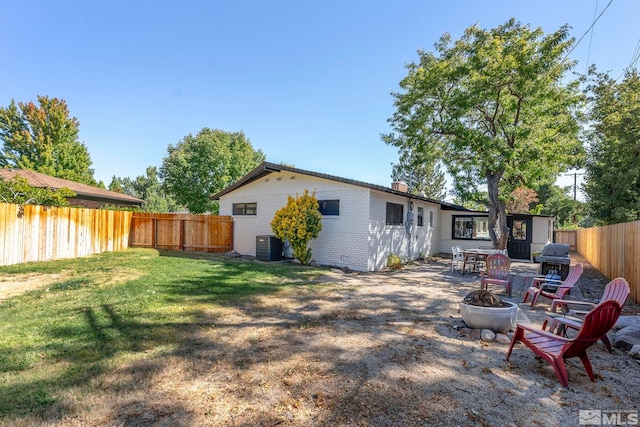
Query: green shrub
(298, 223)
(394, 262)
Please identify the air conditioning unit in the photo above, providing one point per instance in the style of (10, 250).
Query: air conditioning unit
(268, 248)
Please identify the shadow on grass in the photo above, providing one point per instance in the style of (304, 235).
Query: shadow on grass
(88, 331)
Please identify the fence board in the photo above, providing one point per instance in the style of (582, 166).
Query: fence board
(615, 251)
(39, 233)
(207, 233)
(568, 237)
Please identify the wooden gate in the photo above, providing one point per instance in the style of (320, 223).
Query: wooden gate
(205, 233)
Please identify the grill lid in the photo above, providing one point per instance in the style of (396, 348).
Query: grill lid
(555, 250)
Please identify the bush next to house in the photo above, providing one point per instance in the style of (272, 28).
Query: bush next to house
(298, 223)
(18, 191)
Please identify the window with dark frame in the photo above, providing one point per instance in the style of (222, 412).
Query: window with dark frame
(329, 207)
(245, 208)
(395, 214)
(420, 217)
(471, 227)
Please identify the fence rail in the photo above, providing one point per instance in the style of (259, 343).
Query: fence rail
(615, 251)
(40, 233)
(207, 233)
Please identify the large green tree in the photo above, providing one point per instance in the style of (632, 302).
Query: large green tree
(44, 138)
(149, 188)
(201, 165)
(493, 106)
(421, 172)
(557, 201)
(613, 162)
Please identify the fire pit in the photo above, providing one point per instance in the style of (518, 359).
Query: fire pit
(485, 310)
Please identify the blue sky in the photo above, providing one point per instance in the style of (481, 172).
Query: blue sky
(308, 83)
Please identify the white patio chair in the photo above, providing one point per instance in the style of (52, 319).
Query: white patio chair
(457, 257)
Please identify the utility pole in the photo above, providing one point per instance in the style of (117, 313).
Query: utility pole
(575, 182)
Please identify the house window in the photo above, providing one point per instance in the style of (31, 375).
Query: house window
(245, 208)
(395, 214)
(329, 207)
(420, 217)
(519, 230)
(471, 227)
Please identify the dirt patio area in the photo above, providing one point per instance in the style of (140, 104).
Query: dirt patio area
(358, 349)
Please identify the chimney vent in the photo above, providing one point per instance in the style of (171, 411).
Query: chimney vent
(399, 186)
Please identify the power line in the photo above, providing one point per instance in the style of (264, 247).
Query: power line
(586, 67)
(586, 32)
(635, 56)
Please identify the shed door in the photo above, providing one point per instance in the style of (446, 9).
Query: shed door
(520, 236)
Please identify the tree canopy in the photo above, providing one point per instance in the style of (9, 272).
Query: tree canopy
(493, 107)
(201, 165)
(421, 173)
(613, 162)
(147, 187)
(44, 138)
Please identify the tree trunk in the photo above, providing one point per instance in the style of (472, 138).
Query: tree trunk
(498, 230)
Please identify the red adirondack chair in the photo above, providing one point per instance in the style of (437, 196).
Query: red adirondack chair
(496, 272)
(564, 314)
(556, 349)
(562, 287)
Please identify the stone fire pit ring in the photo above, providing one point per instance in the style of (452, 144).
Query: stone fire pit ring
(498, 319)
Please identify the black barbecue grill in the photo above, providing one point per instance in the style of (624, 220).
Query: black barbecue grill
(555, 257)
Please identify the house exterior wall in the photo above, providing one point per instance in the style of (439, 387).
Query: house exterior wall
(343, 239)
(446, 238)
(405, 242)
(541, 233)
(357, 238)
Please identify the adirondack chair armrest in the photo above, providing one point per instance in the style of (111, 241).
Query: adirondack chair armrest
(555, 285)
(537, 281)
(542, 332)
(566, 303)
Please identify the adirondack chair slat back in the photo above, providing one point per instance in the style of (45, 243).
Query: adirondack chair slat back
(617, 290)
(596, 323)
(498, 266)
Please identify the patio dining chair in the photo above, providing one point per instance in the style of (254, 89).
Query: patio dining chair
(457, 257)
(560, 287)
(556, 349)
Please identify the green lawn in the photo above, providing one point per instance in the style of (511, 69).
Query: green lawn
(109, 309)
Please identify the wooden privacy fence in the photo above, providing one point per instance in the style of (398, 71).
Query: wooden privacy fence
(39, 233)
(208, 233)
(615, 251)
(568, 237)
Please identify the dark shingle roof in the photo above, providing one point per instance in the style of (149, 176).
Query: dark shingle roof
(265, 168)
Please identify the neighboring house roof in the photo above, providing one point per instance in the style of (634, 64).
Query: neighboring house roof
(266, 168)
(83, 191)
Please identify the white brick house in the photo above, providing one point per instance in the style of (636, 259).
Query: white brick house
(362, 224)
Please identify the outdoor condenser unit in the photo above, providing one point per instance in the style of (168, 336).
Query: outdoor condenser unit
(268, 248)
